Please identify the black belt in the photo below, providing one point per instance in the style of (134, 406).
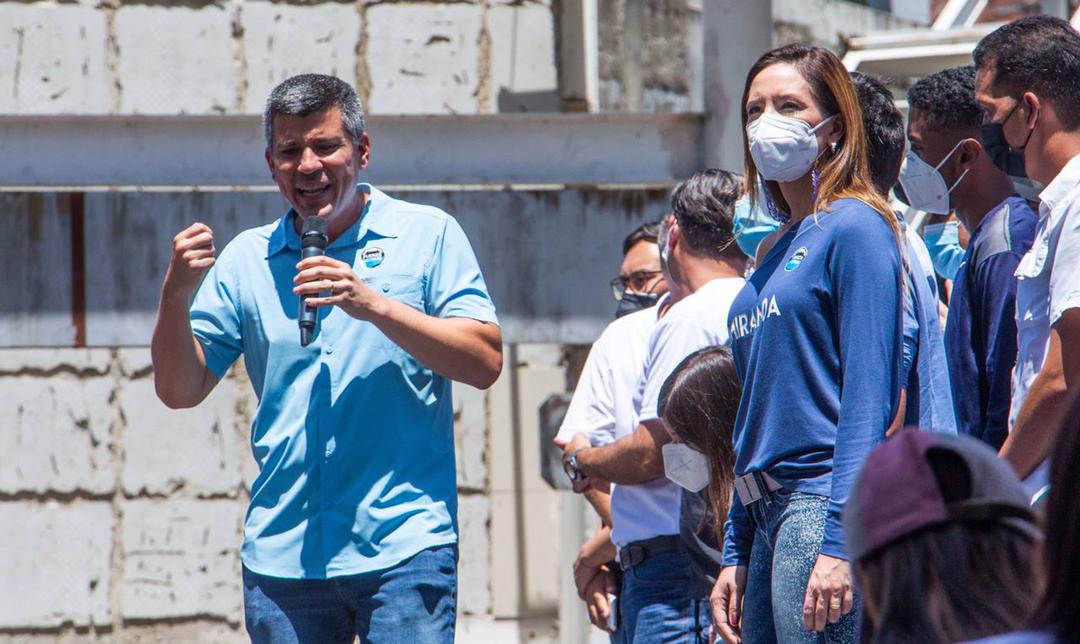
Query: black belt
(636, 552)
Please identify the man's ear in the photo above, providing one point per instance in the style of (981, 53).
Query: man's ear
(969, 152)
(364, 150)
(1033, 106)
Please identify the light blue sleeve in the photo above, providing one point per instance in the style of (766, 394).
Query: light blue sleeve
(455, 287)
(215, 316)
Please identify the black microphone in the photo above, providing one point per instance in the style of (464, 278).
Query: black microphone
(313, 240)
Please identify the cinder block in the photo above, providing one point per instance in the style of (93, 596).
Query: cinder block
(470, 437)
(474, 555)
(46, 361)
(176, 60)
(282, 40)
(56, 564)
(423, 59)
(181, 558)
(56, 435)
(52, 59)
(523, 73)
(194, 450)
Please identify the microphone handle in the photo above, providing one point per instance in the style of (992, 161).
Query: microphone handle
(308, 314)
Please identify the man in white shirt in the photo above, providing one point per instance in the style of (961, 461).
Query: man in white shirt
(704, 269)
(604, 399)
(1027, 85)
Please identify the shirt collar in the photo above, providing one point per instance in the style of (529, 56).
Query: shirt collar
(1056, 191)
(377, 219)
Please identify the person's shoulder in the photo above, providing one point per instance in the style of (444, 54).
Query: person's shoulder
(628, 328)
(705, 305)
(854, 220)
(1023, 221)
(412, 212)
(254, 240)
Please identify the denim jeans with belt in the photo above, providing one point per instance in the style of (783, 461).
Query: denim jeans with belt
(788, 530)
(658, 603)
(412, 603)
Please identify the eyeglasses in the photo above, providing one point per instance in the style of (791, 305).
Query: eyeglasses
(636, 281)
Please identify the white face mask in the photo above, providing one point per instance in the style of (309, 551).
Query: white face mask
(784, 148)
(685, 466)
(923, 184)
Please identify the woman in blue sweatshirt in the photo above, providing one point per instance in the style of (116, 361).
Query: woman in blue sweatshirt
(816, 335)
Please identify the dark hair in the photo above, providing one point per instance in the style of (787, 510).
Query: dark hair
(307, 94)
(885, 135)
(699, 401)
(946, 101)
(1059, 608)
(704, 207)
(950, 582)
(843, 173)
(648, 232)
(1040, 54)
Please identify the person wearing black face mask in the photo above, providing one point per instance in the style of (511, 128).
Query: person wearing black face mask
(948, 171)
(1028, 86)
(641, 281)
(603, 401)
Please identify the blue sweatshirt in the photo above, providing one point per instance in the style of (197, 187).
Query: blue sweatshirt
(816, 336)
(980, 334)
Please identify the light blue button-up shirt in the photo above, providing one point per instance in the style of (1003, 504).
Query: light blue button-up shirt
(353, 437)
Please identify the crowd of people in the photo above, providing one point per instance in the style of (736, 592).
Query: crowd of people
(786, 434)
(814, 422)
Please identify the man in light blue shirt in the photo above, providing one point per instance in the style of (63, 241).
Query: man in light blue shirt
(352, 526)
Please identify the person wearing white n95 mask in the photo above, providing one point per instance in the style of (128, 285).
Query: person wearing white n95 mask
(784, 148)
(685, 467)
(923, 184)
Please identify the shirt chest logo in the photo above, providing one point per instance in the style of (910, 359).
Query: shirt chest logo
(796, 258)
(372, 257)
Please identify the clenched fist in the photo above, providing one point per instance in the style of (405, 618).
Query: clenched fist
(192, 254)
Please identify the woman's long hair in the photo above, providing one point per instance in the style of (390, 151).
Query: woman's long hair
(699, 401)
(843, 172)
(1060, 606)
(948, 583)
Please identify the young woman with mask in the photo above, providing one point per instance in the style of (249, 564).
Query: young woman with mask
(698, 403)
(816, 336)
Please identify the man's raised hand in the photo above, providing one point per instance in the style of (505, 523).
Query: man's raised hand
(192, 254)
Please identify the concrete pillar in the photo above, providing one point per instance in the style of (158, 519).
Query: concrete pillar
(578, 65)
(737, 32)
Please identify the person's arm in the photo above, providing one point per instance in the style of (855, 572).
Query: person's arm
(600, 500)
(865, 276)
(1035, 429)
(631, 460)
(460, 339)
(181, 377)
(995, 286)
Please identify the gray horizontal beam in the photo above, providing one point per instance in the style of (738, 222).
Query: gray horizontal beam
(547, 255)
(104, 151)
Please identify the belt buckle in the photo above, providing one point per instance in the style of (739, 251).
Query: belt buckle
(631, 556)
(749, 488)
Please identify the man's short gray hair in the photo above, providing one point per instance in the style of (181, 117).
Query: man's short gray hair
(307, 94)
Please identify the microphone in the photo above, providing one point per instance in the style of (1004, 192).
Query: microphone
(313, 240)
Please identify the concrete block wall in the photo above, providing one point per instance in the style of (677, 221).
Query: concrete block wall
(123, 518)
(200, 57)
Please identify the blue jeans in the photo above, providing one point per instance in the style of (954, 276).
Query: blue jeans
(412, 603)
(789, 529)
(656, 603)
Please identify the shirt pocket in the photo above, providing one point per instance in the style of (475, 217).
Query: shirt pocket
(407, 289)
